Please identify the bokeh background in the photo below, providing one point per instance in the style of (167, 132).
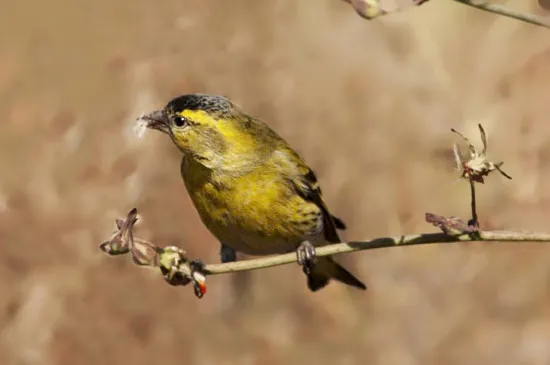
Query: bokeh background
(368, 104)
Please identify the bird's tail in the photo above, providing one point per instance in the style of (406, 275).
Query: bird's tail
(325, 269)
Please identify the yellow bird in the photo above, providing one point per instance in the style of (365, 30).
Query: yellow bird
(250, 188)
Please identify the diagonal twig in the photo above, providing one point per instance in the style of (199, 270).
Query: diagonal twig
(372, 9)
(507, 12)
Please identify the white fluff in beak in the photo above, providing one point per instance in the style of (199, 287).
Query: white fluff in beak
(140, 127)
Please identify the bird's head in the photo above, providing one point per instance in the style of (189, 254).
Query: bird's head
(210, 129)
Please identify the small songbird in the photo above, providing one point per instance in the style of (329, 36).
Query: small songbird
(253, 192)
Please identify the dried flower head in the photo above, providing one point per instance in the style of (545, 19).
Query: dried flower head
(122, 240)
(368, 9)
(477, 167)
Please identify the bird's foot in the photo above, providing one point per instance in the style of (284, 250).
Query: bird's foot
(227, 254)
(306, 256)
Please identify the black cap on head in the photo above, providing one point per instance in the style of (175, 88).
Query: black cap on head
(209, 103)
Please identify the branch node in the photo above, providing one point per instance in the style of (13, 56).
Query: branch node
(451, 226)
(178, 270)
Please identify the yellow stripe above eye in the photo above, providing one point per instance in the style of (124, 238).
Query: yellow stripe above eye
(197, 117)
(232, 131)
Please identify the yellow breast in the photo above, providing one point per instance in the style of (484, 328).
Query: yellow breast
(258, 211)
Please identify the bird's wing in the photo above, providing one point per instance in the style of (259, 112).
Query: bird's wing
(306, 185)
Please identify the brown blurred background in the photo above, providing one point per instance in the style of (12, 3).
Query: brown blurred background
(368, 104)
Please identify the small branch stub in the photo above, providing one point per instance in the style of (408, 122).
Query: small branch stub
(452, 226)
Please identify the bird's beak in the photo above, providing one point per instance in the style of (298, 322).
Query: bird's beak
(156, 120)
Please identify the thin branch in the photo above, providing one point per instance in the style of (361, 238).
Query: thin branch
(509, 13)
(474, 221)
(383, 242)
(179, 270)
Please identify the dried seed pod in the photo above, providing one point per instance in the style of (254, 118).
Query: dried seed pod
(477, 167)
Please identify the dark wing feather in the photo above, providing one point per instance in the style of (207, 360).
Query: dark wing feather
(302, 178)
(308, 188)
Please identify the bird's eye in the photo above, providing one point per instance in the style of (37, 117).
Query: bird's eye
(180, 121)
